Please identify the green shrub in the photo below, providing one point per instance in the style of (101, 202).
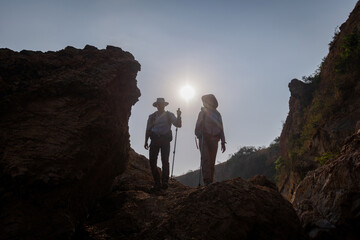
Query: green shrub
(313, 78)
(335, 37)
(279, 163)
(325, 157)
(349, 57)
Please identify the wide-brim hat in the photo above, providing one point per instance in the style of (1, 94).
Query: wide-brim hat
(210, 99)
(161, 101)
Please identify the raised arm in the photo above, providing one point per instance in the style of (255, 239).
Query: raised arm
(176, 121)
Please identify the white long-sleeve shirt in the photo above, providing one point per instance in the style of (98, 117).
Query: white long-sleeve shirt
(161, 123)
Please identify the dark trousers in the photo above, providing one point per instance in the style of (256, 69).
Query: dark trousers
(154, 152)
(208, 150)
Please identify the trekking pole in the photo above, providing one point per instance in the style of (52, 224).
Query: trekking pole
(172, 168)
(173, 162)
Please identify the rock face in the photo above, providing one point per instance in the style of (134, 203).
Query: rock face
(320, 169)
(300, 98)
(324, 111)
(328, 199)
(234, 209)
(63, 135)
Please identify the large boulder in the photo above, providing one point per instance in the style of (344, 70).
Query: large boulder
(63, 135)
(328, 199)
(234, 209)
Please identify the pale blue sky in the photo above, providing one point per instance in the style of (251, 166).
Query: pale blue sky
(244, 52)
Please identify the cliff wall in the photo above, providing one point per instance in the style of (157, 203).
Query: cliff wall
(319, 164)
(63, 135)
(324, 110)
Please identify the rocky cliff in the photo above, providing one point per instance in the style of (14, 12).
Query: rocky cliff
(324, 110)
(319, 164)
(63, 135)
(234, 209)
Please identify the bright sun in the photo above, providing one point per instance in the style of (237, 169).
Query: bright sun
(187, 92)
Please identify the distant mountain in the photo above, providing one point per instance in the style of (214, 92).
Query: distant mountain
(246, 163)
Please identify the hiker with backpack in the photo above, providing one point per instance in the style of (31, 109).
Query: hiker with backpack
(209, 130)
(158, 129)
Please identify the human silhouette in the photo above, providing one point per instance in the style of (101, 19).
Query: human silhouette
(158, 129)
(209, 130)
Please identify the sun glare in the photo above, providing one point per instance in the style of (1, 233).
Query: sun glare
(187, 92)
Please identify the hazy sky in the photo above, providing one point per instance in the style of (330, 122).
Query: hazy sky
(244, 52)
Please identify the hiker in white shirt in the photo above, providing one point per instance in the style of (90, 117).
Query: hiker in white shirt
(158, 129)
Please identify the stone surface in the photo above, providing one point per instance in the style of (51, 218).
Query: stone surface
(325, 112)
(63, 135)
(301, 94)
(261, 180)
(327, 200)
(234, 209)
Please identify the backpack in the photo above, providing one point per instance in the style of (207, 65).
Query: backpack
(212, 120)
(153, 118)
(156, 137)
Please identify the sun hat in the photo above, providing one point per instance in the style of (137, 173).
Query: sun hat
(160, 100)
(210, 99)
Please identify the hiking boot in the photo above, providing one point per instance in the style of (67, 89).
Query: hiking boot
(155, 188)
(165, 186)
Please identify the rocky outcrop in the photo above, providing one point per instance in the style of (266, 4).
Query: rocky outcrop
(234, 209)
(321, 179)
(63, 135)
(261, 180)
(328, 199)
(324, 111)
(301, 96)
